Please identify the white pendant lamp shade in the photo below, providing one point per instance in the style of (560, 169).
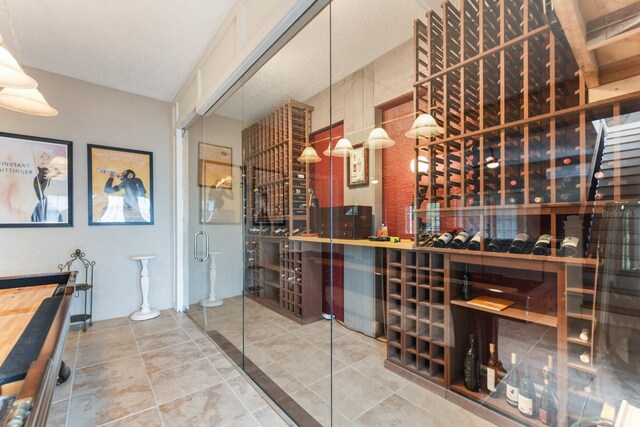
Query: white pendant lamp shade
(492, 162)
(424, 126)
(28, 101)
(343, 148)
(309, 155)
(11, 75)
(423, 165)
(378, 138)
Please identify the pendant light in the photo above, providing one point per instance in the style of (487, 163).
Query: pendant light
(492, 162)
(423, 165)
(309, 155)
(424, 126)
(378, 139)
(11, 75)
(21, 96)
(28, 101)
(342, 149)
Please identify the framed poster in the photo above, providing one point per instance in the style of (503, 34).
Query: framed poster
(120, 186)
(36, 182)
(358, 167)
(214, 166)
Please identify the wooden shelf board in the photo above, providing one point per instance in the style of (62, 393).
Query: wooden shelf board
(514, 313)
(575, 363)
(580, 316)
(524, 209)
(508, 256)
(498, 403)
(581, 291)
(576, 340)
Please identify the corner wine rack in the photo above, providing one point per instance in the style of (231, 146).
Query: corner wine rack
(500, 80)
(275, 196)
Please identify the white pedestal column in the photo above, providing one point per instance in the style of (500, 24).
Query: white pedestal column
(145, 311)
(211, 300)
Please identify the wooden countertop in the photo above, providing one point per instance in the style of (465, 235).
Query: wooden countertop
(403, 244)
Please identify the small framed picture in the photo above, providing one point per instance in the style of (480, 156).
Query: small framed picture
(120, 186)
(36, 182)
(358, 167)
(214, 166)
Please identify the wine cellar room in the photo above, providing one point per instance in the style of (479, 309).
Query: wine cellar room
(439, 216)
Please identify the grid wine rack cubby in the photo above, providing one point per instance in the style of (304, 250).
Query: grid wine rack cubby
(416, 312)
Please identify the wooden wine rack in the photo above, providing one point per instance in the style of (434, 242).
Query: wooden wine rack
(277, 183)
(416, 313)
(500, 79)
(275, 206)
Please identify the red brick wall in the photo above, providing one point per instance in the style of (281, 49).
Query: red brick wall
(321, 172)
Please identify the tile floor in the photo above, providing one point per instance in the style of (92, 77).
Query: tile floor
(159, 372)
(297, 359)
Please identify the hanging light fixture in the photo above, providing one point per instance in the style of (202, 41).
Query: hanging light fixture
(309, 155)
(342, 149)
(28, 101)
(423, 165)
(492, 162)
(20, 93)
(424, 126)
(378, 138)
(11, 75)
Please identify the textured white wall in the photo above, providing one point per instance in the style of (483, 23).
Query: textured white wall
(95, 114)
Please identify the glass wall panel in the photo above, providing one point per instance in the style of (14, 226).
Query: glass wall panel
(437, 222)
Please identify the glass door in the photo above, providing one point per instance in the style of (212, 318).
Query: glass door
(215, 261)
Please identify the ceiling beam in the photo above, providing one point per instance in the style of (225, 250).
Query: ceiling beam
(573, 25)
(614, 26)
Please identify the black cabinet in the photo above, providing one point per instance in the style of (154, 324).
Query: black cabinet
(346, 222)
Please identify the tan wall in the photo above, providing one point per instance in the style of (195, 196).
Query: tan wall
(94, 114)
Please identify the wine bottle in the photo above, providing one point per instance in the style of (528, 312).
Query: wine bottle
(569, 247)
(526, 394)
(471, 366)
(548, 412)
(476, 241)
(543, 245)
(466, 288)
(494, 367)
(518, 244)
(443, 240)
(496, 245)
(460, 239)
(539, 197)
(513, 383)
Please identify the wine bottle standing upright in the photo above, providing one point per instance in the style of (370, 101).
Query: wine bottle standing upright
(526, 394)
(494, 367)
(472, 366)
(548, 412)
(513, 382)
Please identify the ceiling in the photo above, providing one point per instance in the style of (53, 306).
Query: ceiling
(361, 31)
(146, 47)
(604, 37)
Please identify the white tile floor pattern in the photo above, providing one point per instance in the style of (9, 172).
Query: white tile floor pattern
(159, 372)
(297, 358)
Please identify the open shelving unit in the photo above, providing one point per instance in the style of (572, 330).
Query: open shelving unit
(276, 207)
(500, 79)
